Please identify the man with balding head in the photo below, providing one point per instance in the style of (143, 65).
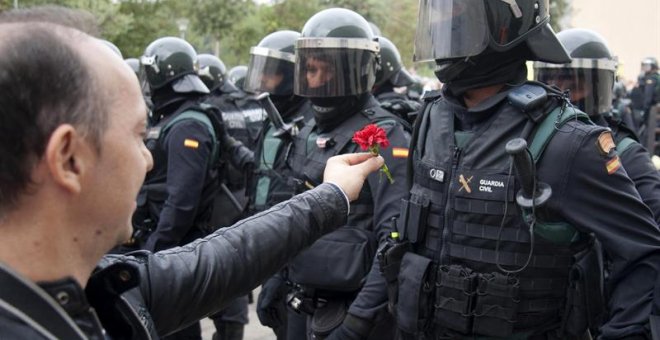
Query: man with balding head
(72, 160)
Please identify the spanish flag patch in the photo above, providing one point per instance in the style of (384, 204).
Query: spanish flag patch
(400, 152)
(191, 143)
(613, 165)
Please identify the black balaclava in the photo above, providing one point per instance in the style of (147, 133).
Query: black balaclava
(166, 101)
(385, 87)
(486, 69)
(329, 112)
(284, 104)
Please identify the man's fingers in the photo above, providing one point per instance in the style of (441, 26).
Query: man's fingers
(355, 158)
(370, 165)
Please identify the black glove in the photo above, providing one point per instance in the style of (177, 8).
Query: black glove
(353, 328)
(271, 308)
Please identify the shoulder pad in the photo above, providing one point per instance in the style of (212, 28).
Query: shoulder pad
(430, 96)
(527, 97)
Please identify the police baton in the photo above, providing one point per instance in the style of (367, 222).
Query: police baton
(273, 115)
(533, 193)
(231, 197)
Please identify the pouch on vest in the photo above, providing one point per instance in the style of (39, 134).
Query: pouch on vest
(454, 291)
(414, 309)
(496, 304)
(339, 261)
(328, 317)
(389, 259)
(585, 303)
(414, 213)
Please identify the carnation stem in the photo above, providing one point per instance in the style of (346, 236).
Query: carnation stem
(374, 149)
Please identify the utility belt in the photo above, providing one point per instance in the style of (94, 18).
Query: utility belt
(454, 300)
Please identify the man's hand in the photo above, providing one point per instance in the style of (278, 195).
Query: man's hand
(350, 170)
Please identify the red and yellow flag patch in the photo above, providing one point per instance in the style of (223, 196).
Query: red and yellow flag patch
(613, 165)
(191, 143)
(400, 152)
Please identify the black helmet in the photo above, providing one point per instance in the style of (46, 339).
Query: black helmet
(650, 64)
(236, 75)
(134, 63)
(336, 55)
(375, 30)
(391, 67)
(172, 60)
(113, 47)
(272, 63)
(211, 70)
(589, 77)
(455, 29)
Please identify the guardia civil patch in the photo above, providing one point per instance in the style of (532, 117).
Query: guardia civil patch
(613, 165)
(191, 143)
(605, 143)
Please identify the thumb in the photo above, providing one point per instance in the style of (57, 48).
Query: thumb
(371, 164)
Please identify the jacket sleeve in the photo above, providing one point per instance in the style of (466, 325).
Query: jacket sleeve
(189, 147)
(642, 172)
(387, 196)
(184, 284)
(594, 193)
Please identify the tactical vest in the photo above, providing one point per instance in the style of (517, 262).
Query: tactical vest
(153, 192)
(399, 105)
(341, 260)
(462, 221)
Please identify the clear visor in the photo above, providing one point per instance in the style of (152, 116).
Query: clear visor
(591, 88)
(270, 71)
(450, 29)
(334, 71)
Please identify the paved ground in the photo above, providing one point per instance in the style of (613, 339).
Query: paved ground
(253, 331)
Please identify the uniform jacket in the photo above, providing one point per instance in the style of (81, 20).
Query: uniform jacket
(134, 295)
(470, 188)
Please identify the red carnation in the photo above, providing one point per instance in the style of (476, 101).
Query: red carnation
(372, 138)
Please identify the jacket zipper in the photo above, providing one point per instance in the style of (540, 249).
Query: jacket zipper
(444, 256)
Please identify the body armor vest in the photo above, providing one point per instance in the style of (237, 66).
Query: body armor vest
(462, 221)
(340, 260)
(273, 182)
(153, 192)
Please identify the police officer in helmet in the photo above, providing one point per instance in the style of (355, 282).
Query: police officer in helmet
(589, 78)
(174, 204)
(392, 75)
(271, 70)
(492, 248)
(212, 70)
(236, 75)
(336, 65)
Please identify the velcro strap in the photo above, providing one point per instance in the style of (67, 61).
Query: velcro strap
(483, 207)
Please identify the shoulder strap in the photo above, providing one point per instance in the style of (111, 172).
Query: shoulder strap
(624, 144)
(549, 126)
(203, 117)
(29, 303)
(426, 106)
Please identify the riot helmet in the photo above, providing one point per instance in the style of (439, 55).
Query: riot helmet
(211, 70)
(649, 64)
(134, 63)
(375, 30)
(113, 47)
(454, 31)
(589, 76)
(172, 61)
(336, 55)
(271, 64)
(391, 67)
(236, 75)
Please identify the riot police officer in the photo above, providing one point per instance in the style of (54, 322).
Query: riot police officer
(506, 249)
(650, 83)
(590, 79)
(175, 202)
(271, 70)
(390, 75)
(230, 204)
(336, 64)
(236, 75)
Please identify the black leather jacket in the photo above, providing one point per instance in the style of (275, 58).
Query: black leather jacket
(134, 295)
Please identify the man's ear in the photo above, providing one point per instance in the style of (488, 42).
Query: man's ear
(67, 155)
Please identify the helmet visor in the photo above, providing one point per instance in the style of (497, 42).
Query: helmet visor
(270, 71)
(334, 67)
(590, 82)
(450, 29)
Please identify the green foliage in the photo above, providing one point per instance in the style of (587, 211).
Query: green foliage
(558, 9)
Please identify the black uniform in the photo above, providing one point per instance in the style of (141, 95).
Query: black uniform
(650, 85)
(637, 163)
(179, 205)
(463, 234)
(334, 269)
